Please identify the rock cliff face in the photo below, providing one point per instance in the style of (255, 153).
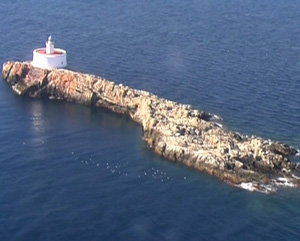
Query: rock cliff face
(175, 131)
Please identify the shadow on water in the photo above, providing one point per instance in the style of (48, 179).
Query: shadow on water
(74, 114)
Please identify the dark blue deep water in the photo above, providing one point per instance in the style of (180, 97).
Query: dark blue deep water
(70, 172)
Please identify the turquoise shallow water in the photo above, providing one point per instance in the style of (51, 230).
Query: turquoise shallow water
(70, 172)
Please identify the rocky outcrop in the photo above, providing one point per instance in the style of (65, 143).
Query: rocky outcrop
(175, 131)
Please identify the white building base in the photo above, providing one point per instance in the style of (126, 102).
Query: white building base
(57, 59)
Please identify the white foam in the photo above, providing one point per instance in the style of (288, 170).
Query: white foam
(218, 124)
(283, 181)
(247, 186)
(14, 88)
(267, 189)
(216, 117)
(296, 177)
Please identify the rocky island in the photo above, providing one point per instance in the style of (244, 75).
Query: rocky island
(177, 132)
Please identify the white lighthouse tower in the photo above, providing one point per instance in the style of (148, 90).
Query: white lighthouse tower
(49, 46)
(49, 57)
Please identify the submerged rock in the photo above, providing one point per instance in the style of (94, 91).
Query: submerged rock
(175, 131)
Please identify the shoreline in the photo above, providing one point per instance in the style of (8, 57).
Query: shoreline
(177, 132)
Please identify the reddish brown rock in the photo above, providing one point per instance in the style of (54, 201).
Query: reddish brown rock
(175, 131)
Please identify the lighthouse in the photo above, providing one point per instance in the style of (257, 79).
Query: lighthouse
(49, 57)
(49, 46)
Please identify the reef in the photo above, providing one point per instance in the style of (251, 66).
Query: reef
(177, 132)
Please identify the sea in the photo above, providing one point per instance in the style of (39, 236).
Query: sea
(73, 172)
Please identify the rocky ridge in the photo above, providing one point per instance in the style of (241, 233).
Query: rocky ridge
(175, 131)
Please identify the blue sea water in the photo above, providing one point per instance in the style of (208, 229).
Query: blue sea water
(71, 172)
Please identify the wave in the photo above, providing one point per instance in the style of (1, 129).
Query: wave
(280, 182)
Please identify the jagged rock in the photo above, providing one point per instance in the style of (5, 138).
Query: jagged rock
(175, 131)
